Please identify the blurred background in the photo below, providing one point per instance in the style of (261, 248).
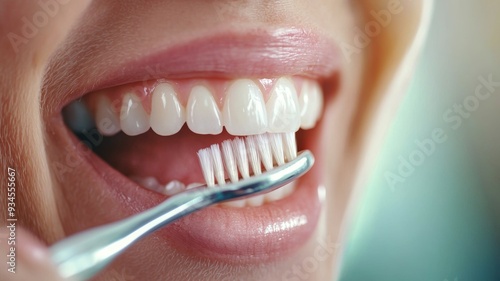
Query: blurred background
(440, 218)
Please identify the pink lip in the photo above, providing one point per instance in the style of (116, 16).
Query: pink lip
(253, 54)
(248, 234)
(253, 234)
(256, 53)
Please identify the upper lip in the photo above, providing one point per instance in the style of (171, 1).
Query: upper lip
(254, 53)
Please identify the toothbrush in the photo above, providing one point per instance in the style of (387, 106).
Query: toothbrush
(83, 255)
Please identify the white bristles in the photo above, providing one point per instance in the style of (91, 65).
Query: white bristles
(236, 157)
(207, 168)
(231, 168)
(265, 151)
(277, 147)
(253, 155)
(290, 146)
(241, 157)
(218, 166)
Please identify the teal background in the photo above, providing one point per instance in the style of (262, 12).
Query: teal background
(442, 222)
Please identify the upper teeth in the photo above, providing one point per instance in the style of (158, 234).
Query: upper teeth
(242, 109)
(166, 106)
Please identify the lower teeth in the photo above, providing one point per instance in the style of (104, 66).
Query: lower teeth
(152, 183)
(175, 187)
(259, 200)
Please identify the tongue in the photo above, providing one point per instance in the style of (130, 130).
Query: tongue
(165, 158)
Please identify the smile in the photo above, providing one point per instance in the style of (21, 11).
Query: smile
(153, 113)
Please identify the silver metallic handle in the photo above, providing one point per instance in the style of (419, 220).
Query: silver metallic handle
(83, 255)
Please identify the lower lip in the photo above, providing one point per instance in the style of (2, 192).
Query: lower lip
(249, 234)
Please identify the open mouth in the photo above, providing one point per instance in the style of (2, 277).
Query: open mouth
(154, 132)
(149, 131)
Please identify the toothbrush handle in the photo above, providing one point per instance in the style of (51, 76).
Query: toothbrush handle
(83, 255)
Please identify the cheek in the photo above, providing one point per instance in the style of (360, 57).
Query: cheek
(36, 27)
(29, 33)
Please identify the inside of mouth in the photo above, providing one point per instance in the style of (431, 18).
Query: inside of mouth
(164, 158)
(154, 161)
(148, 156)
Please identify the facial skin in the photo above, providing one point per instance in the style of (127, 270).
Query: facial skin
(91, 36)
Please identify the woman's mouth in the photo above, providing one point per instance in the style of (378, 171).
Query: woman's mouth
(210, 111)
(145, 133)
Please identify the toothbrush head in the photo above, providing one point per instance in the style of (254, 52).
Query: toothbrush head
(254, 164)
(242, 156)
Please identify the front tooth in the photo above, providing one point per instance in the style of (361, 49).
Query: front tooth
(173, 188)
(167, 113)
(133, 118)
(280, 193)
(194, 185)
(255, 201)
(106, 118)
(274, 195)
(311, 104)
(148, 182)
(283, 107)
(203, 115)
(288, 189)
(244, 109)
